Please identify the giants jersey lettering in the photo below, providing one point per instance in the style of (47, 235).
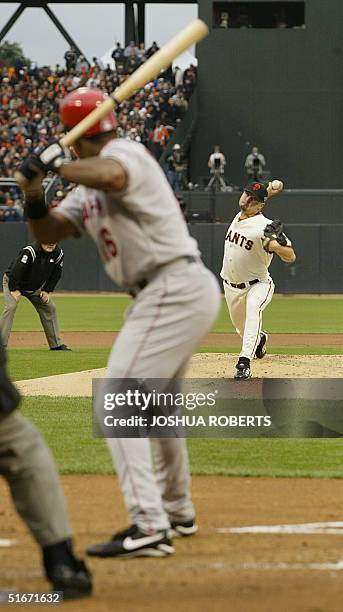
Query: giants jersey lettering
(244, 256)
(138, 229)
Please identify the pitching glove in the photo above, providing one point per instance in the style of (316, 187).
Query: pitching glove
(273, 231)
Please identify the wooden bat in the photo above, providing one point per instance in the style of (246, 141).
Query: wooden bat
(193, 33)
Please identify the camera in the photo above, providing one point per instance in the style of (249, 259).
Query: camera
(256, 162)
(217, 162)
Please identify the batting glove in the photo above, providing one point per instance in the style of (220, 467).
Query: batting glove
(53, 157)
(31, 167)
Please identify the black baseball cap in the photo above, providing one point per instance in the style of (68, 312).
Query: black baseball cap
(258, 190)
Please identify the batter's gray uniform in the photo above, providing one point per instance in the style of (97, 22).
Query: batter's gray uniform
(144, 241)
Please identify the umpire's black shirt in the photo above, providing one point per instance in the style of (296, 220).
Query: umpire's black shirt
(35, 269)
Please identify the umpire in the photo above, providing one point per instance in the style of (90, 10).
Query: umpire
(34, 273)
(28, 467)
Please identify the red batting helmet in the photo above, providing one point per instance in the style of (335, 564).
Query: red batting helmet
(79, 103)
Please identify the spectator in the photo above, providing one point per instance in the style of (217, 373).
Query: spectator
(154, 47)
(131, 50)
(81, 65)
(132, 62)
(141, 53)
(189, 80)
(98, 63)
(118, 55)
(11, 212)
(173, 112)
(29, 103)
(70, 57)
(159, 138)
(178, 77)
(176, 169)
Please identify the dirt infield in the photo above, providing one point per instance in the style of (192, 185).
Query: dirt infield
(211, 571)
(216, 570)
(90, 339)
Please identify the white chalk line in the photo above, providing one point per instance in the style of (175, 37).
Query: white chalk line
(6, 543)
(326, 528)
(332, 567)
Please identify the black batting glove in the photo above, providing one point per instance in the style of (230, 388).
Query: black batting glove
(53, 157)
(50, 158)
(31, 167)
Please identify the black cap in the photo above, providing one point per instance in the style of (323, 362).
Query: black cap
(258, 190)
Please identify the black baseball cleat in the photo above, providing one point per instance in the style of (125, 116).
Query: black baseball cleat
(74, 582)
(61, 347)
(262, 346)
(133, 542)
(184, 528)
(242, 369)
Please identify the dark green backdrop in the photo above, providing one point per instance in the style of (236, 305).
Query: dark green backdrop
(281, 89)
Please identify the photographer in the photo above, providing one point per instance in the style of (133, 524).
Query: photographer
(254, 164)
(216, 164)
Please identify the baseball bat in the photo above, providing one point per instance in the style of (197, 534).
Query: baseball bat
(193, 33)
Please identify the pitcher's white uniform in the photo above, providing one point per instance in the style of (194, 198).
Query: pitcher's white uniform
(142, 238)
(245, 260)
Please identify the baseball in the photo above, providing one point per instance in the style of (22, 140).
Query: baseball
(277, 185)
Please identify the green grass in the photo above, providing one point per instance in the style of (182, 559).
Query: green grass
(34, 363)
(289, 315)
(66, 422)
(321, 458)
(67, 427)
(105, 313)
(98, 313)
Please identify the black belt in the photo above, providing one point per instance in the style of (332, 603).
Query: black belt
(242, 285)
(133, 291)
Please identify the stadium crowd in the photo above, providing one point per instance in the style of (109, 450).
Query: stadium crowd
(30, 99)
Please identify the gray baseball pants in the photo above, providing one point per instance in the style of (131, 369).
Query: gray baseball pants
(27, 465)
(163, 327)
(47, 314)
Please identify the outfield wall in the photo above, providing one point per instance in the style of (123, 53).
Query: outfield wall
(291, 206)
(318, 269)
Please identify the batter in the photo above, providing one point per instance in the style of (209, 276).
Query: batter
(125, 203)
(250, 243)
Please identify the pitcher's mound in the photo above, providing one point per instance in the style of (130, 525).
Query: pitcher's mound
(203, 365)
(218, 365)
